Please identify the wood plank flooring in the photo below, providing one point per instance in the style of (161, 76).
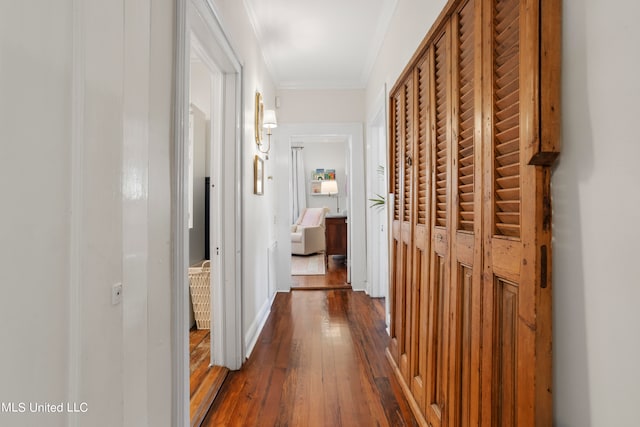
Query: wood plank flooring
(319, 361)
(204, 381)
(335, 277)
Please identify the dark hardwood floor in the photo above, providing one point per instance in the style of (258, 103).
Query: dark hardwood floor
(205, 381)
(319, 361)
(334, 278)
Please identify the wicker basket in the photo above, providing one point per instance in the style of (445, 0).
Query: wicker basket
(201, 294)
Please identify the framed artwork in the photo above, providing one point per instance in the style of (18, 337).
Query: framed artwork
(317, 175)
(323, 174)
(259, 117)
(258, 175)
(330, 174)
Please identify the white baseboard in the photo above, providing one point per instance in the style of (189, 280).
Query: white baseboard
(256, 326)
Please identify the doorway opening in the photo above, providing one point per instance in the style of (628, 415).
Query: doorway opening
(319, 250)
(203, 210)
(206, 222)
(352, 196)
(378, 203)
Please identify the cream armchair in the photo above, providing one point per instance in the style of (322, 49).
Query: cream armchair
(307, 234)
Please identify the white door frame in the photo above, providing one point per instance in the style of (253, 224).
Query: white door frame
(215, 151)
(199, 18)
(377, 228)
(352, 133)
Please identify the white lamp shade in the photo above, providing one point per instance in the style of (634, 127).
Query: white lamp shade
(269, 119)
(329, 187)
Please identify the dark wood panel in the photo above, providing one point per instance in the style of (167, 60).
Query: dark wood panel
(464, 349)
(419, 325)
(506, 303)
(437, 343)
(396, 294)
(405, 343)
(336, 235)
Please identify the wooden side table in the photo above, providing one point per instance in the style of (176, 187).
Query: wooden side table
(336, 235)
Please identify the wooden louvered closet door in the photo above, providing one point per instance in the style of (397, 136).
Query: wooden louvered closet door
(421, 232)
(438, 289)
(402, 182)
(516, 225)
(466, 207)
(474, 129)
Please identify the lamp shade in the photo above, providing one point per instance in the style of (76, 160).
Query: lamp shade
(329, 187)
(269, 119)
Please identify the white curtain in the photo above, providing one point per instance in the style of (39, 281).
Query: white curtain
(298, 190)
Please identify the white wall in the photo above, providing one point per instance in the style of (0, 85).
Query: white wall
(326, 155)
(409, 24)
(321, 106)
(86, 107)
(596, 203)
(160, 150)
(35, 165)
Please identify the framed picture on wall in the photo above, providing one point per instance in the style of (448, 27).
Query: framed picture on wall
(258, 175)
(330, 174)
(317, 175)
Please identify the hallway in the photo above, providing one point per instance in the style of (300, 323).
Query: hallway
(319, 361)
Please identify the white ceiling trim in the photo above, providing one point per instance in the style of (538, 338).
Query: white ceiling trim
(369, 49)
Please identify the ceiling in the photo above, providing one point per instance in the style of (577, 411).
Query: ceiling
(328, 44)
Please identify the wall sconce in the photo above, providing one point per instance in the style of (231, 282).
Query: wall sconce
(264, 119)
(330, 187)
(269, 122)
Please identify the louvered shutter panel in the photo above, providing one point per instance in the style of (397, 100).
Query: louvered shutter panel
(423, 141)
(440, 61)
(396, 302)
(396, 155)
(408, 149)
(466, 88)
(506, 80)
(503, 273)
(438, 340)
(401, 227)
(406, 227)
(466, 257)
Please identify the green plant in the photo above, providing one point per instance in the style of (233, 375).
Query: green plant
(377, 202)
